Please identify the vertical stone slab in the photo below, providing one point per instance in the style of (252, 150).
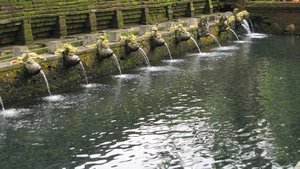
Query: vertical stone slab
(170, 12)
(92, 21)
(191, 9)
(118, 21)
(62, 25)
(114, 36)
(89, 39)
(145, 16)
(27, 31)
(209, 6)
(53, 46)
(18, 50)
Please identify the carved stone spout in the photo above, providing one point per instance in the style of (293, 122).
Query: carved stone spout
(30, 63)
(155, 39)
(70, 60)
(203, 27)
(68, 53)
(32, 67)
(223, 24)
(240, 16)
(131, 45)
(103, 49)
(182, 36)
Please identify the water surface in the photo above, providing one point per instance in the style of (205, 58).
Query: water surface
(237, 107)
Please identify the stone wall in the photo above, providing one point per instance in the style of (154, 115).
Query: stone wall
(14, 85)
(276, 17)
(23, 21)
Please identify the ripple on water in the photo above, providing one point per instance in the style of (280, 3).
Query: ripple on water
(9, 113)
(54, 98)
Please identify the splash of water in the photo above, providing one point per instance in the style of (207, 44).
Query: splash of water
(168, 51)
(145, 56)
(196, 44)
(114, 57)
(84, 72)
(216, 40)
(1, 102)
(237, 38)
(46, 81)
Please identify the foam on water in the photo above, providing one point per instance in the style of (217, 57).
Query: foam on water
(225, 48)
(174, 61)
(91, 85)
(158, 68)
(9, 113)
(54, 98)
(242, 41)
(126, 76)
(211, 54)
(257, 35)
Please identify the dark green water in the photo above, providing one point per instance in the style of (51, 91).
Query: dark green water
(237, 108)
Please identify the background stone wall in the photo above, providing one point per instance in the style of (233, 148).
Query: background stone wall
(22, 21)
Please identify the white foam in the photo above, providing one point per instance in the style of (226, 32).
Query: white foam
(212, 54)
(174, 61)
(225, 48)
(9, 113)
(242, 41)
(159, 68)
(257, 35)
(54, 98)
(126, 76)
(91, 85)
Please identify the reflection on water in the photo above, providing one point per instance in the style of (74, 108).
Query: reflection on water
(236, 111)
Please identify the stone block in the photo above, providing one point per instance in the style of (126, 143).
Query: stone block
(192, 22)
(92, 22)
(114, 36)
(118, 21)
(54, 45)
(89, 39)
(18, 50)
(145, 28)
(169, 25)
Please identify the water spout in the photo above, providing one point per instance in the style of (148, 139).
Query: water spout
(237, 38)
(2, 105)
(215, 39)
(247, 24)
(46, 81)
(168, 51)
(84, 72)
(114, 57)
(246, 29)
(196, 44)
(251, 24)
(145, 56)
